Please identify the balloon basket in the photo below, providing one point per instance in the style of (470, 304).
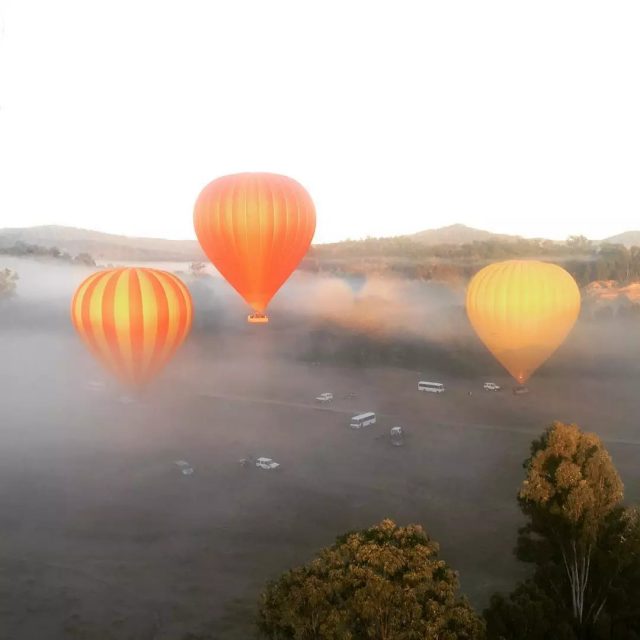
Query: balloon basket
(257, 318)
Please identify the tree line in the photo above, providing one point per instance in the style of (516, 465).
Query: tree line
(389, 583)
(25, 249)
(403, 256)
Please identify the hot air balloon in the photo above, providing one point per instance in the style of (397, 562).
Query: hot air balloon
(132, 320)
(355, 282)
(255, 228)
(522, 310)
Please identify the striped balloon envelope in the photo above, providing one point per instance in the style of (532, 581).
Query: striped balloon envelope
(255, 228)
(133, 320)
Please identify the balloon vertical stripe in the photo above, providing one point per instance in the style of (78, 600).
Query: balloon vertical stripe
(153, 314)
(107, 320)
(179, 327)
(136, 323)
(82, 312)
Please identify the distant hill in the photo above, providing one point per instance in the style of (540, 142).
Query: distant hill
(111, 248)
(103, 246)
(627, 238)
(457, 234)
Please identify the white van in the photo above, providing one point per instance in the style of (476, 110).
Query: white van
(491, 386)
(435, 387)
(363, 420)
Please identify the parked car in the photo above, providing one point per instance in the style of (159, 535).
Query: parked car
(397, 436)
(184, 467)
(491, 386)
(325, 397)
(267, 463)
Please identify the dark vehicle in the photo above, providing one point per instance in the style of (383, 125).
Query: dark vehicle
(520, 389)
(397, 436)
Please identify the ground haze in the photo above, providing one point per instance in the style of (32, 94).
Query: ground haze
(101, 536)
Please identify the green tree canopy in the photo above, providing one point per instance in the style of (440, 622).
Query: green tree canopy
(384, 583)
(539, 609)
(579, 243)
(571, 484)
(584, 543)
(86, 259)
(570, 490)
(528, 613)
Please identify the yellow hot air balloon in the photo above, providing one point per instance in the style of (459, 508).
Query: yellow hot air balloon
(522, 310)
(132, 320)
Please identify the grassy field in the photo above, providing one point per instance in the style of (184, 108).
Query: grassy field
(102, 537)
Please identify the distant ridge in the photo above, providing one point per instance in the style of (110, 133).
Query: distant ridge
(627, 238)
(457, 234)
(111, 248)
(103, 246)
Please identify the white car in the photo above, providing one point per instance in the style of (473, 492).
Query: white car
(325, 397)
(266, 463)
(184, 467)
(491, 386)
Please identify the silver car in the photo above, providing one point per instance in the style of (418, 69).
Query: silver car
(185, 468)
(267, 463)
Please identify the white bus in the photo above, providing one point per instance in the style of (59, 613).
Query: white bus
(363, 420)
(435, 387)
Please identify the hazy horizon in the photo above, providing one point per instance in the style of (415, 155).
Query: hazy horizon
(516, 119)
(315, 242)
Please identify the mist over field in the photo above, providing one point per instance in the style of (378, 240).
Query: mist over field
(101, 536)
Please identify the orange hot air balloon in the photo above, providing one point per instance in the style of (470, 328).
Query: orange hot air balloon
(132, 320)
(522, 310)
(255, 228)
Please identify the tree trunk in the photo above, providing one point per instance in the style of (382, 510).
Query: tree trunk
(578, 567)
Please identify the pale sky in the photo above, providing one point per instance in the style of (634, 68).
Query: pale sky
(397, 116)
